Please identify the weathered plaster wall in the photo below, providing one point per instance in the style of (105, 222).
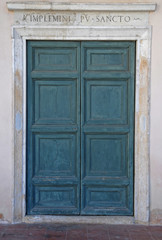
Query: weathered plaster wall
(6, 138)
(6, 163)
(156, 117)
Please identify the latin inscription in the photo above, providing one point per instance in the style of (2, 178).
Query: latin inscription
(80, 18)
(48, 18)
(108, 19)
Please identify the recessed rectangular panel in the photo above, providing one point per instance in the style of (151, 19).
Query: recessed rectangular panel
(106, 155)
(101, 196)
(55, 59)
(55, 199)
(55, 154)
(106, 200)
(106, 59)
(106, 101)
(55, 101)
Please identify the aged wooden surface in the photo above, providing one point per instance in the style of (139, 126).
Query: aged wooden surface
(105, 105)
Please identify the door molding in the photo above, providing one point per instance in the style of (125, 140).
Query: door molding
(142, 36)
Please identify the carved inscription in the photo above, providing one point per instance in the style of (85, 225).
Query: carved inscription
(48, 18)
(107, 18)
(79, 18)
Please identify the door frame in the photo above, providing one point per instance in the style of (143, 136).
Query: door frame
(142, 36)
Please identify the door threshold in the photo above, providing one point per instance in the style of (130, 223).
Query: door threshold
(79, 219)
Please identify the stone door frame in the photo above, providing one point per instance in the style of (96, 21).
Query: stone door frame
(142, 36)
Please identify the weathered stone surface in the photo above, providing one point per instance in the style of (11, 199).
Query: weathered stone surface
(81, 18)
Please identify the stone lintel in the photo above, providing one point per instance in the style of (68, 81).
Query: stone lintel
(115, 7)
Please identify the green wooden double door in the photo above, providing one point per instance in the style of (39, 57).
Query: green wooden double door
(80, 127)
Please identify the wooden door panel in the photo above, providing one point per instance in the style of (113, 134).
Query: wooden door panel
(106, 101)
(58, 57)
(53, 123)
(106, 155)
(107, 95)
(106, 58)
(55, 154)
(55, 101)
(105, 200)
(55, 199)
